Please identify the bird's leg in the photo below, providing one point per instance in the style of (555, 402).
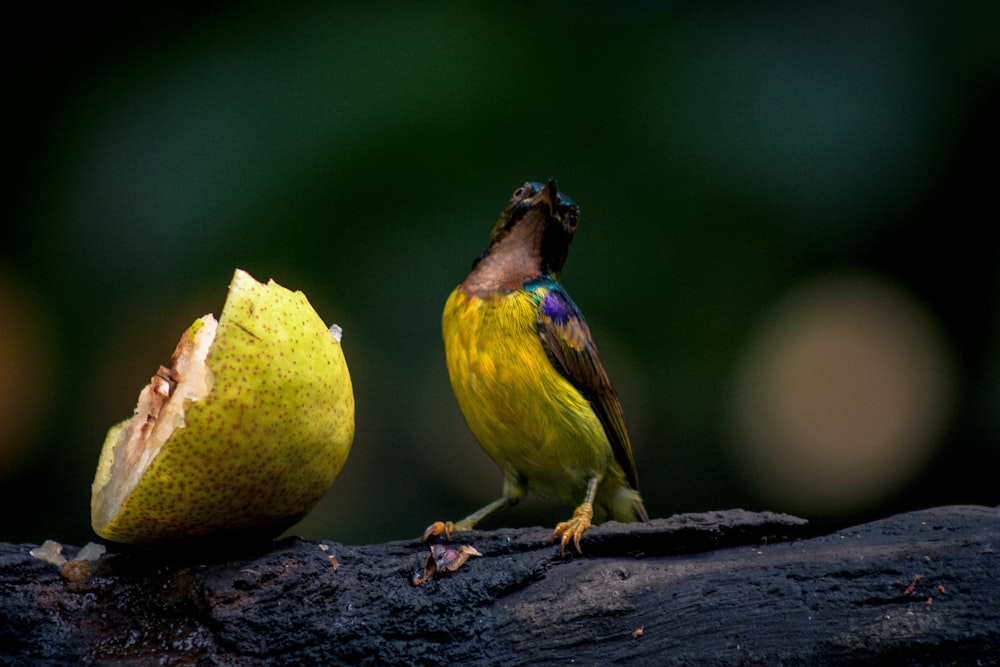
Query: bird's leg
(573, 529)
(513, 491)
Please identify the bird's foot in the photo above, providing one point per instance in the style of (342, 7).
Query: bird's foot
(437, 528)
(446, 528)
(573, 529)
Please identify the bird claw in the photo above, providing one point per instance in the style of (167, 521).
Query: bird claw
(445, 528)
(573, 529)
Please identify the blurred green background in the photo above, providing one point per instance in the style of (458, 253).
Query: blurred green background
(787, 254)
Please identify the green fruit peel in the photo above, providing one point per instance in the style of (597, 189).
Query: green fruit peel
(245, 432)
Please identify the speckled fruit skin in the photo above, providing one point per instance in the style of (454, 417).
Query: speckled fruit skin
(262, 447)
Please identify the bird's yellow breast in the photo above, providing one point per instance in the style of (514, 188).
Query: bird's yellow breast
(534, 423)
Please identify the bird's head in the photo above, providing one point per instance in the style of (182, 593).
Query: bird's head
(541, 218)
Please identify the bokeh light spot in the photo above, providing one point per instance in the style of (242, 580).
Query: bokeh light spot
(841, 395)
(27, 366)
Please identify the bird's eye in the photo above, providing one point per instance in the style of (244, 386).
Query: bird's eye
(518, 193)
(571, 219)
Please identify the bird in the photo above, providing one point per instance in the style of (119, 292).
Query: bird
(527, 376)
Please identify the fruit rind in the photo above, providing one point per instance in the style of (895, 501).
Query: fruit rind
(251, 453)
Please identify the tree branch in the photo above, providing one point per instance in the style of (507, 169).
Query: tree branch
(724, 588)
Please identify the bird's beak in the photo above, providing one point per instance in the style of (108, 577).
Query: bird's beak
(548, 195)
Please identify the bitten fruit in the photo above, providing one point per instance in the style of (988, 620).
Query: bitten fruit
(242, 435)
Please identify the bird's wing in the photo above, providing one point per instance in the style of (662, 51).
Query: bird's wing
(567, 340)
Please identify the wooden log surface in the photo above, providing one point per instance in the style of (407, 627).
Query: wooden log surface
(721, 588)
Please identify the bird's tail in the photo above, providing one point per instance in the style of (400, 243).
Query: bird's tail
(626, 505)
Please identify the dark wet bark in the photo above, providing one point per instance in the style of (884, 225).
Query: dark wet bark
(723, 588)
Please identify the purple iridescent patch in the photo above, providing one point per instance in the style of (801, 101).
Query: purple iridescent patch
(558, 307)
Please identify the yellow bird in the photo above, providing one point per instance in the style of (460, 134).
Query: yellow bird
(528, 377)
